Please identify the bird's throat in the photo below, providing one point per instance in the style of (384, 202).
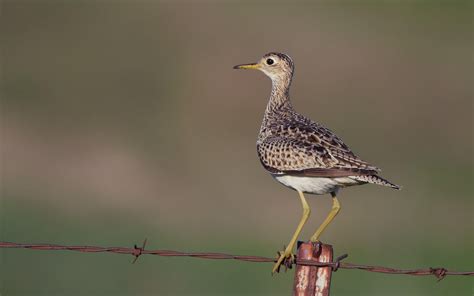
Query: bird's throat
(280, 94)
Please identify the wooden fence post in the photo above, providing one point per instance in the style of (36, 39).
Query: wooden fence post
(313, 280)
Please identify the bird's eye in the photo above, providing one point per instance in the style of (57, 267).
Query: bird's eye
(270, 61)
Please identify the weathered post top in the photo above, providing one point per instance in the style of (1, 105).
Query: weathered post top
(313, 280)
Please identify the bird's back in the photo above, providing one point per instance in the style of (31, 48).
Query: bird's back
(302, 144)
(293, 145)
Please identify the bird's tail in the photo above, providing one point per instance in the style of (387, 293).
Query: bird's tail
(374, 179)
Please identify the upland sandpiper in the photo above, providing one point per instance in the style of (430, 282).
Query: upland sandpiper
(302, 154)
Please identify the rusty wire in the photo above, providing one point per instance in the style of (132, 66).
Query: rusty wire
(137, 251)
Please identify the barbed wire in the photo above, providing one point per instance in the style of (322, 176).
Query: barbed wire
(137, 251)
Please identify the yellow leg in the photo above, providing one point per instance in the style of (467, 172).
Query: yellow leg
(335, 209)
(287, 253)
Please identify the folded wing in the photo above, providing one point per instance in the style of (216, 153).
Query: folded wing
(312, 155)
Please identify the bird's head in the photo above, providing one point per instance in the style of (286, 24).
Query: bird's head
(277, 66)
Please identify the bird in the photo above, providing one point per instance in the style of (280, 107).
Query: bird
(302, 154)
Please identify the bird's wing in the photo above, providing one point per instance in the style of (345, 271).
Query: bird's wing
(309, 154)
(338, 149)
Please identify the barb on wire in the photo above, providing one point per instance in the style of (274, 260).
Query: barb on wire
(439, 272)
(138, 251)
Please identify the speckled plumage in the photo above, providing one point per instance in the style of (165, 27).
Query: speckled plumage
(289, 144)
(302, 154)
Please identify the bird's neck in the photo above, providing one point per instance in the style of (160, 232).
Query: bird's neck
(280, 95)
(278, 107)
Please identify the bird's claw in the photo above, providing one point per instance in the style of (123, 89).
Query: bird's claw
(285, 258)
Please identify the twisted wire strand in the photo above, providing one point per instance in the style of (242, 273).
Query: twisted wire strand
(136, 251)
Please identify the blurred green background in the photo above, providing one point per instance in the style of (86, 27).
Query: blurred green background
(122, 120)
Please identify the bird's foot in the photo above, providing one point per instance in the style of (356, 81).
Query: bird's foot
(285, 258)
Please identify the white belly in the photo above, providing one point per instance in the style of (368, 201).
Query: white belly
(315, 185)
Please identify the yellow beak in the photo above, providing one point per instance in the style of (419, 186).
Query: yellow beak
(248, 66)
